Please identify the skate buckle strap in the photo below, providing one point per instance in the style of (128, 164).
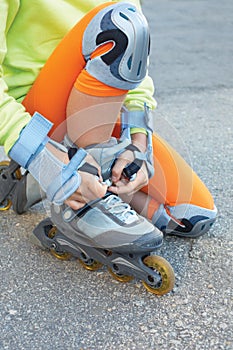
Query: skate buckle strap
(31, 140)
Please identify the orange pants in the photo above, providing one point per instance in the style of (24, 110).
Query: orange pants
(174, 181)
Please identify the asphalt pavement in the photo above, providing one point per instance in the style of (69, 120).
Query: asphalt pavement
(48, 304)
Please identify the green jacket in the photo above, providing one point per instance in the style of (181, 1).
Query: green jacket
(29, 32)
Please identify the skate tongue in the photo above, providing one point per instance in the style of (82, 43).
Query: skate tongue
(120, 209)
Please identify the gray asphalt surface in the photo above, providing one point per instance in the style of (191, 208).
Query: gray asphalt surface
(49, 304)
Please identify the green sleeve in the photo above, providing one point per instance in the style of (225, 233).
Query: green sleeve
(13, 117)
(136, 98)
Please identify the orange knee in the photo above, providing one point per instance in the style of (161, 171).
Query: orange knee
(174, 181)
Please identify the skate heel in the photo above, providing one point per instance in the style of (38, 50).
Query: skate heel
(10, 174)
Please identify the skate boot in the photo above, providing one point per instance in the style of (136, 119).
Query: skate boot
(108, 232)
(184, 220)
(27, 193)
(21, 191)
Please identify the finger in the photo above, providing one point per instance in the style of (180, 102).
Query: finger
(129, 187)
(91, 187)
(77, 200)
(100, 190)
(74, 204)
(100, 175)
(121, 188)
(89, 159)
(118, 169)
(77, 197)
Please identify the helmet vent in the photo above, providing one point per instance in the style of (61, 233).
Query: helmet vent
(124, 16)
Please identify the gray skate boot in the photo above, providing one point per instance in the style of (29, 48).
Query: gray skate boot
(107, 231)
(184, 220)
(27, 193)
(21, 191)
(108, 223)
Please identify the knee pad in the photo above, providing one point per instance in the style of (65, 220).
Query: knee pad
(124, 66)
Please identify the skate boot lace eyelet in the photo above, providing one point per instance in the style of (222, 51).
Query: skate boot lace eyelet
(120, 209)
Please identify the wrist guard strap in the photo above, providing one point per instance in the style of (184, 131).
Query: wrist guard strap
(57, 179)
(31, 140)
(139, 119)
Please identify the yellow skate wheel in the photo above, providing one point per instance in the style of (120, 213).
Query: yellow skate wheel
(91, 265)
(6, 204)
(59, 255)
(164, 269)
(120, 277)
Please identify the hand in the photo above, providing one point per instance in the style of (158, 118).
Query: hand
(122, 185)
(91, 187)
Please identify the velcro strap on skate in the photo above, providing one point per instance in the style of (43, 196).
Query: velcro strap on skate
(57, 179)
(31, 140)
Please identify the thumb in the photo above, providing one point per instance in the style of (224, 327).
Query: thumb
(118, 169)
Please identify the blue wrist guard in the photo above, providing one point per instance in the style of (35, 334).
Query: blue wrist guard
(31, 141)
(57, 179)
(139, 119)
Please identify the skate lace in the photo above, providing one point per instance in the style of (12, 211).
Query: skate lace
(120, 209)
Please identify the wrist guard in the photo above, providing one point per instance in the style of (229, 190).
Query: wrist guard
(57, 179)
(139, 119)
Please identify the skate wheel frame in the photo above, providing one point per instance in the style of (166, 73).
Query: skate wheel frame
(159, 281)
(91, 265)
(6, 204)
(162, 266)
(59, 255)
(120, 277)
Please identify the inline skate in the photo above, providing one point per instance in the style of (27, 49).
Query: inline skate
(106, 231)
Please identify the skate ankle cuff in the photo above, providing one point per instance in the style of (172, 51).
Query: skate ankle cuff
(31, 141)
